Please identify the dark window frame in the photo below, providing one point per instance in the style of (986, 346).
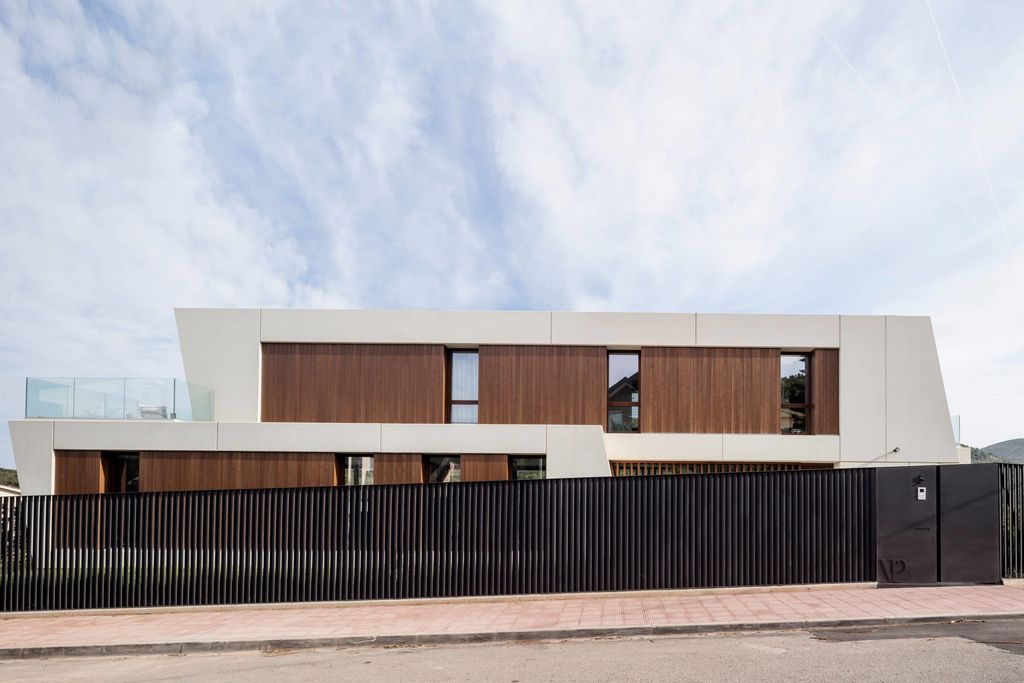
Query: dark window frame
(449, 401)
(625, 404)
(808, 405)
(512, 467)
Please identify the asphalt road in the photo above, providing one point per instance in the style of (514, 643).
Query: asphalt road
(988, 651)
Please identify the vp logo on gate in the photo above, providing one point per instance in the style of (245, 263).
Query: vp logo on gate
(889, 570)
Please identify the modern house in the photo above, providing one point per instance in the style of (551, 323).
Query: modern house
(284, 398)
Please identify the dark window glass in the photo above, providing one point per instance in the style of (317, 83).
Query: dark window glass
(529, 468)
(463, 387)
(795, 387)
(623, 391)
(122, 472)
(794, 379)
(443, 469)
(794, 420)
(355, 470)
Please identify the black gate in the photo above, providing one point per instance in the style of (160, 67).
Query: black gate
(939, 524)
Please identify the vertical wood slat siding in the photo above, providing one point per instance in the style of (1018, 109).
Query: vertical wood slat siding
(543, 385)
(398, 468)
(825, 391)
(207, 470)
(701, 390)
(485, 467)
(78, 472)
(401, 383)
(436, 540)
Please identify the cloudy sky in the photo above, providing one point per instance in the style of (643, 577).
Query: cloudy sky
(797, 157)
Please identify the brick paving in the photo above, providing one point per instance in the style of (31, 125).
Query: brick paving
(604, 611)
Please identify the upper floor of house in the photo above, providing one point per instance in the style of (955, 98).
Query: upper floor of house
(627, 372)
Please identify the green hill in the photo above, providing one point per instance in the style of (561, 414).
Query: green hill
(8, 477)
(1011, 451)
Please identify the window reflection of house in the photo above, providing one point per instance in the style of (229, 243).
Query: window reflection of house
(623, 391)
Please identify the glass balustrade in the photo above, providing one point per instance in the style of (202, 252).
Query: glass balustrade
(122, 398)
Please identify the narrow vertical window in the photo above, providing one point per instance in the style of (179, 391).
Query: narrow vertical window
(796, 390)
(464, 381)
(624, 391)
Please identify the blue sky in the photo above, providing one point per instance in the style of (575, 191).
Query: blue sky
(805, 157)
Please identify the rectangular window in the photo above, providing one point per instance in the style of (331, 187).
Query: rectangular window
(463, 386)
(355, 470)
(796, 391)
(623, 391)
(528, 468)
(121, 472)
(444, 469)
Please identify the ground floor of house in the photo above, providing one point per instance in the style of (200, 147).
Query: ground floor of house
(97, 456)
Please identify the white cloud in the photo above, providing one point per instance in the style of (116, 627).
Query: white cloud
(710, 156)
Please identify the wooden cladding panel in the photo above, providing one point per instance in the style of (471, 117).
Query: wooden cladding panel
(825, 391)
(78, 472)
(398, 468)
(401, 383)
(205, 470)
(709, 390)
(543, 385)
(486, 467)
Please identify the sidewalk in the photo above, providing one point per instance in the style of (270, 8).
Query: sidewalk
(341, 624)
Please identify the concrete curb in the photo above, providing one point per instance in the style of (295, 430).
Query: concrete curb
(276, 645)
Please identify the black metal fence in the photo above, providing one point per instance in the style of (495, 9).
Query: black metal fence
(1011, 487)
(496, 538)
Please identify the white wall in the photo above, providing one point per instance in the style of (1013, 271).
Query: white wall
(33, 455)
(576, 451)
(768, 331)
(631, 330)
(406, 327)
(220, 349)
(862, 388)
(916, 413)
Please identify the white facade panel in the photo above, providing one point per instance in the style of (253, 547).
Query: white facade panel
(32, 441)
(463, 438)
(780, 448)
(862, 388)
(768, 331)
(299, 437)
(623, 330)
(406, 327)
(664, 447)
(220, 349)
(916, 413)
(576, 451)
(134, 435)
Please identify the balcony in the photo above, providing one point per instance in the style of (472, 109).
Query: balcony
(104, 398)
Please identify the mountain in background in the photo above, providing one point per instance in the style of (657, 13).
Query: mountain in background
(1005, 451)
